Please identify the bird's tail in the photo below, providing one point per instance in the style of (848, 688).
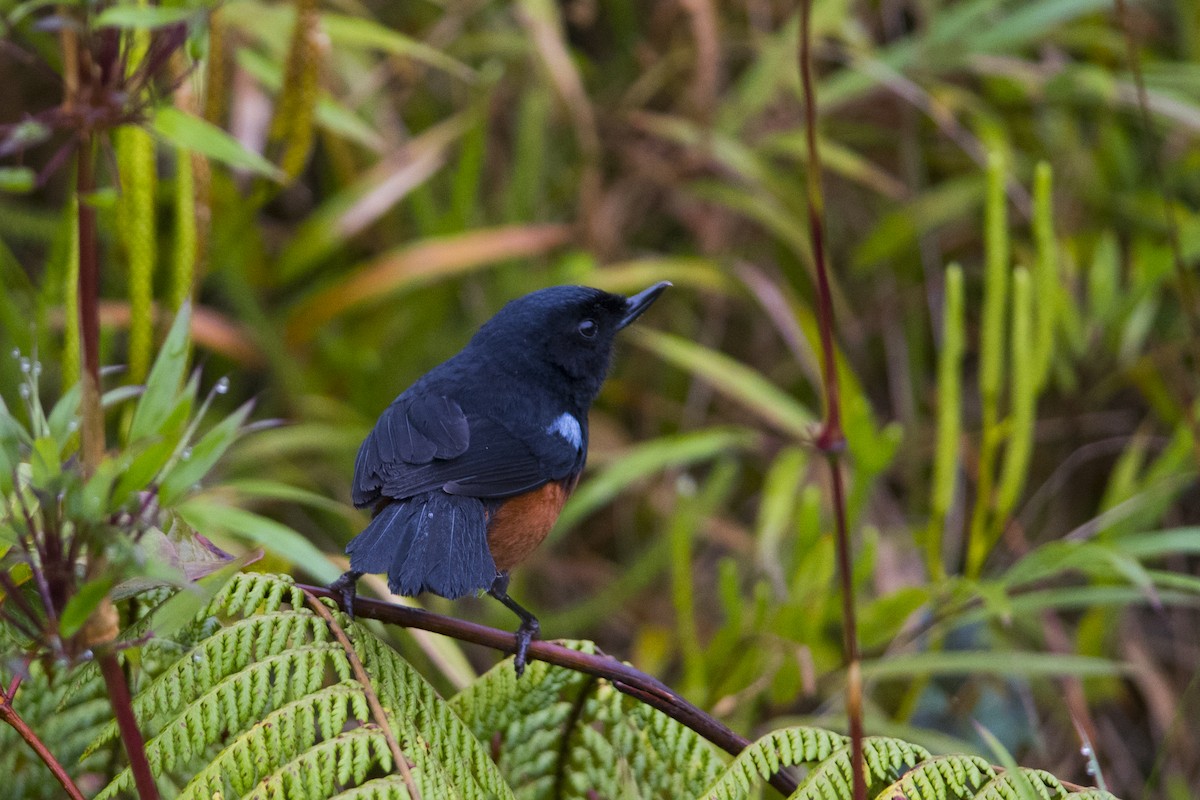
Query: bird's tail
(434, 542)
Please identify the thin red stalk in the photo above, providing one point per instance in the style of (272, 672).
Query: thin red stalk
(832, 440)
(9, 715)
(131, 735)
(624, 678)
(1183, 276)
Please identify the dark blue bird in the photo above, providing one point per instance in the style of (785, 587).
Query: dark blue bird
(468, 469)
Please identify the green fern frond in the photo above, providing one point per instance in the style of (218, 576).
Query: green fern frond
(249, 593)
(943, 777)
(260, 700)
(266, 648)
(307, 756)
(555, 732)
(1092, 794)
(668, 759)
(256, 698)
(762, 759)
(422, 714)
(390, 788)
(1005, 786)
(66, 717)
(885, 760)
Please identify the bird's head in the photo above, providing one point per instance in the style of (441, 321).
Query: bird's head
(563, 332)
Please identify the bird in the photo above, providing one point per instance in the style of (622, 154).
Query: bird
(468, 469)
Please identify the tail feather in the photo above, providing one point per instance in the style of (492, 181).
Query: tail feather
(430, 543)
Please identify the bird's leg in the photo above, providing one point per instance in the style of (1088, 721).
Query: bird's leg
(347, 587)
(529, 627)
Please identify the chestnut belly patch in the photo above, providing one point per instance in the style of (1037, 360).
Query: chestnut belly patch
(520, 525)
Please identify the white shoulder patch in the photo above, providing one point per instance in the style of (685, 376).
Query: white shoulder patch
(567, 427)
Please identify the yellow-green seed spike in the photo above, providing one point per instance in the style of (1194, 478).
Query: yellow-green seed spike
(949, 419)
(136, 211)
(291, 134)
(995, 286)
(1047, 292)
(1023, 404)
(991, 355)
(135, 148)
(186, 250)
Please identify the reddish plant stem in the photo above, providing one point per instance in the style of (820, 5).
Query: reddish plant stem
(624, 678)
(1183, 275)
(131, 735)
(9, 716)
(832, 440)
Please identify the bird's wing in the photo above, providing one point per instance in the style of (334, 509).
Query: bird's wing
(418, 446)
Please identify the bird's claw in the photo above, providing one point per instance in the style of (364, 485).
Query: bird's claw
(347, 589)
(525, 634)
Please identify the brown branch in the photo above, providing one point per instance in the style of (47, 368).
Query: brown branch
(131, 735)
(360, 674)
(831, 440)
(9, 715)
(624, 678)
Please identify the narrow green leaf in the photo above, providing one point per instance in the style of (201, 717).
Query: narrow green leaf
(45, 462)
(732, 379)
(352, 33)
(17, 180)
(91, 501)
(192, 133)
(203, 455)
(204, 514)
(183, 606)
(648, 459)
(82, 604)
(989, 662)
(64, 413)
(158, 400)
(142, 16)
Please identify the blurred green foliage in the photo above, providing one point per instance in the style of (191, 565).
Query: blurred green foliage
(348, 190)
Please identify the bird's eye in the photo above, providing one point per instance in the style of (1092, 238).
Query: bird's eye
(588, 329)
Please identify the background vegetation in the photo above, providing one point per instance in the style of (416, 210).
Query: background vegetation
(1012, 232)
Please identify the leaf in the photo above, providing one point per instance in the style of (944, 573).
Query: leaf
(423, 262)
(204, 514)
(349, 33)
(647, 459)
(139, 16)
(984, 662)
(82, 604)
(190, 132)
(183, 606)
(44, 462)
(65, 411)
(17, 180)
(202, 456)
(91, 501)
(145, 459)
(731, 378)
(162, 385)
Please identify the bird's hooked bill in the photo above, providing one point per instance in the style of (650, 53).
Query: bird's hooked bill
(636, 304)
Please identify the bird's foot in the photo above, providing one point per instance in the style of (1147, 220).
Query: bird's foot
(528, 631)
(347, 588)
